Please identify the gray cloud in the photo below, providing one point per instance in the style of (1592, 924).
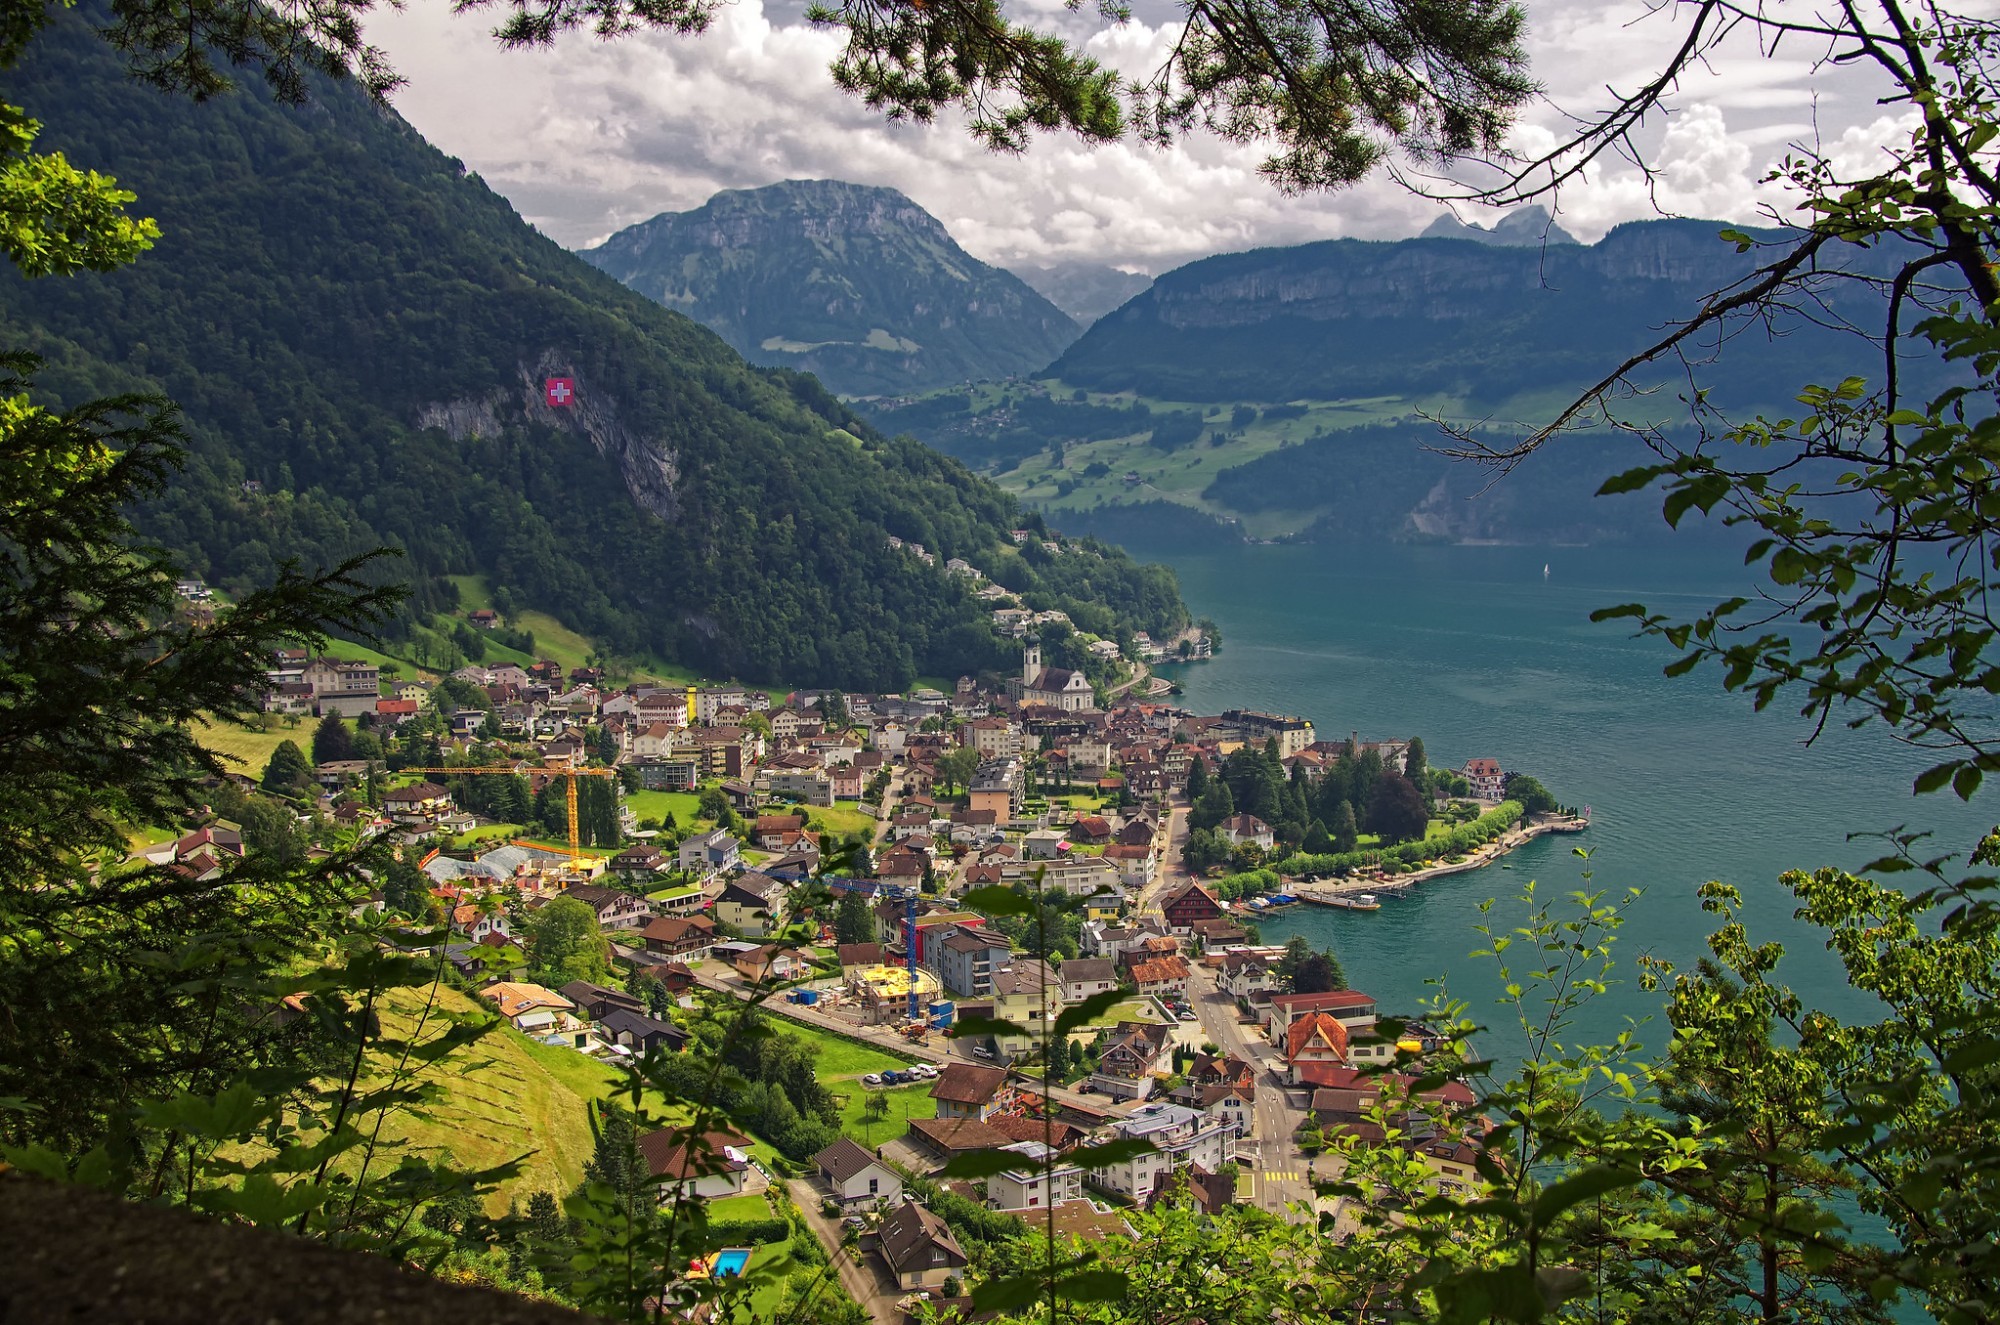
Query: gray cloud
(593, 136)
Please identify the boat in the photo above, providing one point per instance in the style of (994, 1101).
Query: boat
(1545, 570)
(1358, 902)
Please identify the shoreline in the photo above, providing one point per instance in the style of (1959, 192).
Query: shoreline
(1507, 843)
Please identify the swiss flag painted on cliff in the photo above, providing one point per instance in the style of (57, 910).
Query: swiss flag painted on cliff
(559, 391)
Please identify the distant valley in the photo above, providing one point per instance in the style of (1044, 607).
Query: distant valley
(1290, 392)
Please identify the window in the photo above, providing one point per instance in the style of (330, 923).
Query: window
(874, 1185)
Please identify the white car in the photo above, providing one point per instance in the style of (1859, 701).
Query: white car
(872, 1079)
(923, 1071)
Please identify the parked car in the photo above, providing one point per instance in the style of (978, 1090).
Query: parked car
(872, 1079)
(923, 1072)
(981, 1051)
(1185, 1014)
(892, 1078)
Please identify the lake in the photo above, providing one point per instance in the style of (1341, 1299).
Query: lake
(1474, 650)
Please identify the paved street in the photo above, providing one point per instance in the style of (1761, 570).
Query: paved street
(1277, 1169)
(867, 1283)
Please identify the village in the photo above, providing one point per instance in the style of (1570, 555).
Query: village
(835, 857)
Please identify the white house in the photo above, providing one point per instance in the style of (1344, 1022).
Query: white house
(1041, 1181)
(856, 1178)
(1180, 1137)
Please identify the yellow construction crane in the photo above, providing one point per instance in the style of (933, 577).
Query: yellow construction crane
(568, 775)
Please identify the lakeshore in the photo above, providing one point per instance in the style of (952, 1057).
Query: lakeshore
(1375, 881)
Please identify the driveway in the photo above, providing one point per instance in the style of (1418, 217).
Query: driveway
(867, 1283)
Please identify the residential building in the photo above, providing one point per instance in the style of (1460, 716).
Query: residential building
(1188, 906)
(533, 1009)
(769, 965)
(710, 853)
(753, 905)
(417, 805)
(1028, 994)
(1485, 777)
(966, 959)
(713, 1164)
(1354, 1010)
(1042, 1180)
(1317, 1038)
(857, 1179)
(919, 1249)
(998, 785)
(688, 939)
(1246, 830)
(1180, 1137)
(1125, 1070)
(1157, 976)
(966, 1090)
(615, 908)
(1085, 976)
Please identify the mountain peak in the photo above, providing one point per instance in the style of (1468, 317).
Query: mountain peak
(853, 282)
(1526, 227)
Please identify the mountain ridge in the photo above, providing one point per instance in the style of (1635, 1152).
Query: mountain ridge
(854, 283)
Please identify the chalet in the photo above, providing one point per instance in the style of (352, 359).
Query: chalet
(1190, 906)
(919, 1248)
(417, 804)
(1207, 1192)
(615, 908)
(856, 1179)
(476, 922)
(1125, 1069)
(769, 964)
(640, 1032)
(640, 864)
(713, 1164)
(966, 1090)
(594, 1000)
(1215, 935)
(775, 832)
(1315, 1038)
(1091, 830)
(684, 939)
(1159, 975)
(1245, 973)
(533, 1010)
(1134, 833)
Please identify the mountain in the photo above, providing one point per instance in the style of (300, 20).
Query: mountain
(360, 334)
(1528, 227)
(857, 285)
(1084, 290)
(1483, 324)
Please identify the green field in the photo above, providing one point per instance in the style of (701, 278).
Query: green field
(838, 1057)
(905, 1103)
(252, 747)
(684, 805)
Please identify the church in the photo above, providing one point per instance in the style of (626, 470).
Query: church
(1057, 687)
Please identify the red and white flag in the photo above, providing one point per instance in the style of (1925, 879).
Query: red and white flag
(559, 391)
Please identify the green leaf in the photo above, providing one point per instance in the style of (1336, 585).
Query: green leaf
(1090, 1009)
(984, 1163)
(1006, 1295)
(1931, 779)
(1094, 1286)
(1111, 1152)
(994, 900)
(1632, 480)
(970, 1027)
(1576, 1189)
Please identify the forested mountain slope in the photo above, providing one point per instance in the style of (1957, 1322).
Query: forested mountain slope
(359, 334)
(1483, 322)
(855, 284)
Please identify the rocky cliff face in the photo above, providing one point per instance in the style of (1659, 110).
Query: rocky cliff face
(859, 285)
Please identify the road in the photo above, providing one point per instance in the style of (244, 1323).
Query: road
(867, 1283)
(1277, 1169)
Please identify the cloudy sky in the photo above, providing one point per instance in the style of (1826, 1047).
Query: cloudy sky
(592, 136)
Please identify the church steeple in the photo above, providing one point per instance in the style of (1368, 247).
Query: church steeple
(1031, 663)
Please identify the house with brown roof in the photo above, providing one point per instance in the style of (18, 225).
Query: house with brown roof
(1159, 975)
(1190, 906)
(948, 1138)
(1125, 1069)
(686, 939)
(769, 964)
(967, 1090)
(1355, 1010)
(856, 956)
(1207, 1192)
(711, 1164)
(919, 1249)
(1084, 976)
(1316, 1038)
(533, 1009)
(856, 1178)
(615, 908)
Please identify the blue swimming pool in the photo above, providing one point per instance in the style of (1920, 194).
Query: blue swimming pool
(729, 1262)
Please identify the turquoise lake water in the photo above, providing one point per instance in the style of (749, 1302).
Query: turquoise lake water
(1475, 651)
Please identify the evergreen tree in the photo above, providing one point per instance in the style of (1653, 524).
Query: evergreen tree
(1319, 973)
(853, 921)
(1317, 842)
(1197, 778)
(331, 740)
(1414, 765)
(1344, 830)
(1215, 805)
(616, 1161)
(288, 773)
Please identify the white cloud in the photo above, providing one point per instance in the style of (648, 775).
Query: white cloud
(594, 136)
